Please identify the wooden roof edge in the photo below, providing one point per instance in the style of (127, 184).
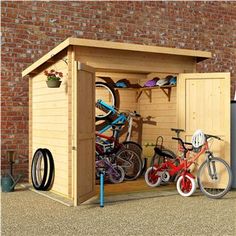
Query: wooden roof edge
(46, 57)
(139, 48)
(200, 55)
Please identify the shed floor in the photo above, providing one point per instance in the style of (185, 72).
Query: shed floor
(135, 186)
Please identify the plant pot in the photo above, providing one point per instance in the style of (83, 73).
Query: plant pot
(53, 83)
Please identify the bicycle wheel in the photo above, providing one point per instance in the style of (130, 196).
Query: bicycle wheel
(50, 174)
(130, 162)
(117, 176)
(186, 185)
(134, 147)
(152, 178)
(214, 177)
(39, 169)
(107, 94)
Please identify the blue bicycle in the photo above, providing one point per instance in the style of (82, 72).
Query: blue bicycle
(120, 121)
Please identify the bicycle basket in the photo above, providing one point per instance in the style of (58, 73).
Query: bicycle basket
(159, 142)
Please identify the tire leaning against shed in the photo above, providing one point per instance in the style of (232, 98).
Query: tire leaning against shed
(42, 181)
(38, 181)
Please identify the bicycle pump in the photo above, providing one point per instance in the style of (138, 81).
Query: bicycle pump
(102, 173)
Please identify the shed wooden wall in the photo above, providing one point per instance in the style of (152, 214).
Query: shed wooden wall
(163, 116)
(50, 124)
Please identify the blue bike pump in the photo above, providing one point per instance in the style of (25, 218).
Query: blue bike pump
(102, 188)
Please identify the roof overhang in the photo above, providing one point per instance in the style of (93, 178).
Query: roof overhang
(199, 55)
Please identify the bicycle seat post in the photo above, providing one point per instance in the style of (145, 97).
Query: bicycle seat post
(177, 133)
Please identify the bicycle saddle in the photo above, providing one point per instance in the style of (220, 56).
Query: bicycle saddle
(162, 153)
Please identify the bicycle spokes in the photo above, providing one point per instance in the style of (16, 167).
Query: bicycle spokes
(214, 178)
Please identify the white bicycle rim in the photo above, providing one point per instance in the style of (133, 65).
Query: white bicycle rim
(178, 186)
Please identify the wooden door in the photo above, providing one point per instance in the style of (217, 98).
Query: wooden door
(84, 124)
(204, 103)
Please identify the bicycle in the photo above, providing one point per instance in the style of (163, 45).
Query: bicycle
(160, 155)
(118, 153)
(209, 175)
(115, 173)
(121, 119)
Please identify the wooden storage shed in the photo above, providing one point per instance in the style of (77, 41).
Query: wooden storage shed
(63, 119)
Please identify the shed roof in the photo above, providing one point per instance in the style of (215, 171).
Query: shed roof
(199, 55)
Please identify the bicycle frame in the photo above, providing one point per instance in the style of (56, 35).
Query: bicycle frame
(185, 163)
(107, 166)
(121, 119)
(112, 144)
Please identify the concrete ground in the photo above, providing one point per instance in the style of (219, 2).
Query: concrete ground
(28, 213)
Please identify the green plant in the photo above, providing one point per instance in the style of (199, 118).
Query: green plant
(53, 75)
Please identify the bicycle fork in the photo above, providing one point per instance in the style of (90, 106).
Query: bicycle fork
(211, 166)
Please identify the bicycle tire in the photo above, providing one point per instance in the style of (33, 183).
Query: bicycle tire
(149, 181)
(191, 185)
(200, 183)
(50, 174)
(132, 168)
(113, 179)
(113, 98)
(38, 181)
(135, 147)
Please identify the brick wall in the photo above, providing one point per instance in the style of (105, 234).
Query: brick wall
(30, 29)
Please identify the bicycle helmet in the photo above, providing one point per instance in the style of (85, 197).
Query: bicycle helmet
(162, 82)
(123, 83)
(151, 83)
(173, 80)
(198, 139)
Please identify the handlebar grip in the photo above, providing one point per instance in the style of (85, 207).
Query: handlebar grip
(212, 136)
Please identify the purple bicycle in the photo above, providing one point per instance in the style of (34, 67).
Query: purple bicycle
(114, 172)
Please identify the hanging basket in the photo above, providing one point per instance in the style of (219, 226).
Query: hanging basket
(53, 83)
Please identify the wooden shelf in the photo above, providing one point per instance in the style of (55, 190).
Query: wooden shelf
(148, 91)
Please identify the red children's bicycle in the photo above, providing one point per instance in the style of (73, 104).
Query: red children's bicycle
(214, 176)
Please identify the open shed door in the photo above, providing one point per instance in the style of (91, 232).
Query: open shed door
(84, 133)
(204, 103)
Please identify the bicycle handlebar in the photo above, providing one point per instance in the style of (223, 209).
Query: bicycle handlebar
(183, 143)
(212, 136)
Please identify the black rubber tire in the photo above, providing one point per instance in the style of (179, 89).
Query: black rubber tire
(34, 178)
(113, 93)
(136, 160)
(139, 150)
(134, 146)
(226, 190)
(113, 179)
(50, 174)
